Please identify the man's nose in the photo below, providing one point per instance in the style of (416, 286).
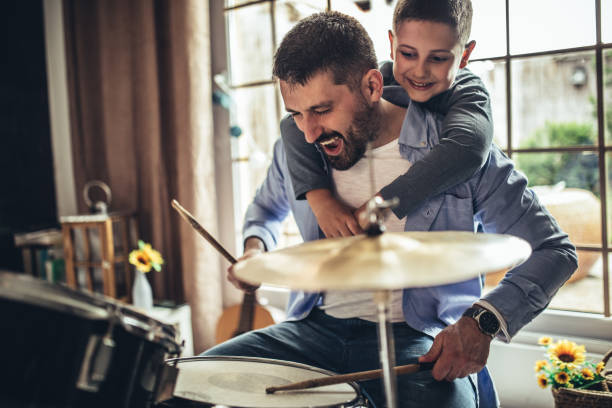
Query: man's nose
(311, 128)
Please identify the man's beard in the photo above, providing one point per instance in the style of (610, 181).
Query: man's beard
(364, 129)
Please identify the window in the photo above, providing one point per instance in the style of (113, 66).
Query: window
(548, 68)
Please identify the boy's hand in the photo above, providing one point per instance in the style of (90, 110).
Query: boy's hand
(334, 218)
(253, 246)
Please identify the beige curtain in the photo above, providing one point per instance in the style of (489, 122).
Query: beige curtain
(141, 116)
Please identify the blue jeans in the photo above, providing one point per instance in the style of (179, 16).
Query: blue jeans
(350, 345)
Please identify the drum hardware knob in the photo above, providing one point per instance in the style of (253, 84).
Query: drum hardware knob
(98, 356)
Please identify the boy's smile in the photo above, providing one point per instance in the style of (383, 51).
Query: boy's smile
(426, 56)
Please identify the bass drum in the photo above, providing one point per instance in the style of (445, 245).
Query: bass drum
(67, 348)
(242, 381)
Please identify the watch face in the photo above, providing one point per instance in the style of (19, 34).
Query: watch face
(488, 322)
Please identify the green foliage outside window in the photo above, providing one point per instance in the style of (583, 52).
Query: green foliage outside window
(576, 169)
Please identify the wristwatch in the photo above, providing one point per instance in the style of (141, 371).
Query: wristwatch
(487, 321)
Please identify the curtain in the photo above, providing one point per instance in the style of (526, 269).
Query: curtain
(141, 120)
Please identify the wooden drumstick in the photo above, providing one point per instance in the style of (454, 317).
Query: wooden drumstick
(186, 215)
(345, 378)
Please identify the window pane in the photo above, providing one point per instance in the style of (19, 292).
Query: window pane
(250, 43)
(234, 3)
(583, 293)
(562, 171)
(256, 115)
(606, 21)
(553, 101)
(489, 28)
(607, 80)
(289, 12)
(493, 74)
(550, 24)
(377, 21)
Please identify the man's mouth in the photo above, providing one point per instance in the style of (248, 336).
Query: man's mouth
(332, 146)
(421, 86)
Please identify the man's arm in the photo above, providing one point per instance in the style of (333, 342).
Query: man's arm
(504, 205)
(264, 215)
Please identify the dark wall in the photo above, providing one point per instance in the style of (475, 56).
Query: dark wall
(27, 195)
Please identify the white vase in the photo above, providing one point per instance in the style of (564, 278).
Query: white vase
(142, 295)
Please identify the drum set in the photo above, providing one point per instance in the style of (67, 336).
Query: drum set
(68, 348)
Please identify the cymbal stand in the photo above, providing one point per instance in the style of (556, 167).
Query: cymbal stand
(382, 298)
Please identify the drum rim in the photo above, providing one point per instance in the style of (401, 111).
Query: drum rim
(59, 297)
(352, 384)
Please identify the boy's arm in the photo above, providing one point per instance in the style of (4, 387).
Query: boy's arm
(465, 140)
(306, 165)
(311, 181)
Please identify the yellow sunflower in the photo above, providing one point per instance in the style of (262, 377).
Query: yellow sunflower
(145, 257)
(545, 341)
(140, 260)
(542, 380)
(540, 365)
(566, 354)
(154, 256)
(562, 377)
(587, 374)
(599, 368)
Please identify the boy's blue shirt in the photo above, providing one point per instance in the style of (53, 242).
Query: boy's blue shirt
(495, 200)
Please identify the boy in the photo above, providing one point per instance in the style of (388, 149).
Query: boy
(429, 46)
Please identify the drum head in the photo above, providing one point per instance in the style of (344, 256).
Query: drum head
(242, 382)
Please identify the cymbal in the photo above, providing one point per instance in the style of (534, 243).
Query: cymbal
(392, 260)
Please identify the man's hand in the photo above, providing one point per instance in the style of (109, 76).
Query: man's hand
(460, 349)
(253, 246)
(334, 218)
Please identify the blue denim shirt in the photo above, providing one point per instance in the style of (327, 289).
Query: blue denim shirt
(495, 200)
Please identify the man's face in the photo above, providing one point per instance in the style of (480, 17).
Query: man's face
(337, 119)
(426, 56)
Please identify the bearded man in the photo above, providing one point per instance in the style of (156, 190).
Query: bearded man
(333, 92)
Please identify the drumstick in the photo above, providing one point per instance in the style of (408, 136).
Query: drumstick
(186, 215)
(345, 378)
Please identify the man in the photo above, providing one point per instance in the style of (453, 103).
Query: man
(338, 97)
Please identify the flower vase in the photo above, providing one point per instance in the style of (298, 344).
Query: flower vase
(142, 295)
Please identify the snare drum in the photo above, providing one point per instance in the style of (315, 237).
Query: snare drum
(65, 348)
(242, 381)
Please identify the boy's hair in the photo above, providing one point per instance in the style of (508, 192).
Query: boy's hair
(327, 41)
(455, 13)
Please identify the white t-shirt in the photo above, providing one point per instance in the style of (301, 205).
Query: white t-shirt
(352, 187)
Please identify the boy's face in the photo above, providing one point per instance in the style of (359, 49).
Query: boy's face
(340, 121)
(426, 56)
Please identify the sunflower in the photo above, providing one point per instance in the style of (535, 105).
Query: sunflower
(145, 257)
(539, 365)
(599, 368)
(562, 377)
(542, 380)
(587, 374)
(566, 354)
(154, 256)
(545, 341)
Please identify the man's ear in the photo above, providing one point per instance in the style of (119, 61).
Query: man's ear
(391, 42)
(466, 53)
(372, 85)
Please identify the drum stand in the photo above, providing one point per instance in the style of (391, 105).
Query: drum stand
(376, 211)
(387, 346)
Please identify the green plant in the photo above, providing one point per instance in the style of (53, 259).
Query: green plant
(576, 169)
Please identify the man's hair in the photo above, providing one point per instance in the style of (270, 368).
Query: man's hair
(455, 13)
(328, 41)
